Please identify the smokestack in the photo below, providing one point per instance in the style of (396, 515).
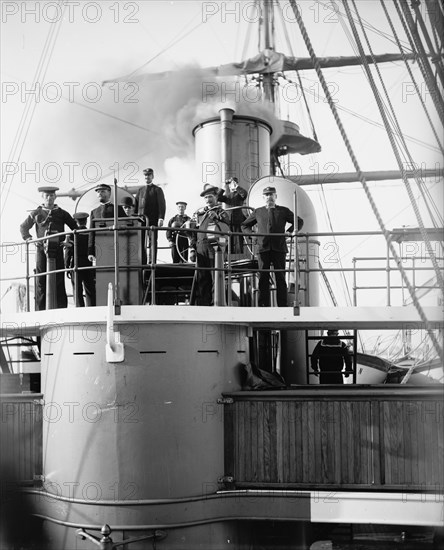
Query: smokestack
(226, 134)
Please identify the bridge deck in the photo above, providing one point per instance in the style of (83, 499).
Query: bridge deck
(29, 324)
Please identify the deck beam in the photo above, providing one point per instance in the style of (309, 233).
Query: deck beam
(360, 317)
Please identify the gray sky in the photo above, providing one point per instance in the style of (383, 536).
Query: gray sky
(76, 131)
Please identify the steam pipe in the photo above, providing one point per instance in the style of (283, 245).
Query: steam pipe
(226, 134)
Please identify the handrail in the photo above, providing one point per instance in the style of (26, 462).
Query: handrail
(231, 270)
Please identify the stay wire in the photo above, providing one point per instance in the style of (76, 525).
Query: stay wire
(28, 112)
(413, 79)
(383, 110)
(361, 175)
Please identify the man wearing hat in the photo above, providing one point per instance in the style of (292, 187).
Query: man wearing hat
(331, 354)
(178, 242)
(127, 204)
(84, 280)
(234, 196)
(48, 218)
(105, 210)
(211, 214)
(150, 203)
(270, 219)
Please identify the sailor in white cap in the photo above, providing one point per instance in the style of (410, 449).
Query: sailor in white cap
(178, 243)
(47, 218)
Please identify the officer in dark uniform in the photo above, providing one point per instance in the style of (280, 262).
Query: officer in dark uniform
(331, 354)
(150, 203)
(85, 278)
(105, 210)
(178, 242)
(270, 219)
(48, 218)
(211, 215)
(234, 196)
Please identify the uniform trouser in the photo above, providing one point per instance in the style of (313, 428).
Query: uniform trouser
(204, 280)
(86, 282)
(264, 260)
(182, 244)
(40, 282)
(151, 244)
(237, 241)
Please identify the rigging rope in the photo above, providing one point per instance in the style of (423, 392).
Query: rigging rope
(391, 137)
(171, 44)
(337, 11)
(317, 97)
(419, 95)
(361, 176)
(290, 48)
(31, 103)
(436, 60)
(422, 59)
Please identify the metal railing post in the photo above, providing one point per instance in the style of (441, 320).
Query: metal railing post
(307, 271)
(387, 268)
(151, 236)
(76, 269)
(117, 302)
(296, 308)
(27, 277)
(355, 293)
(229, 278)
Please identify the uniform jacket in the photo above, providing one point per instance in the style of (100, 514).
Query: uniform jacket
(171, 235)
(102, 211)
(46, 220)
(150, 202)
(271, 220)
(331, 353)
(219, 218)
(235, 198)
(82, 250)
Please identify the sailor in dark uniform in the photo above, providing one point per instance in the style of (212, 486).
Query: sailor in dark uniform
(331, 354)
(105, 210)
(150, 203)
(85, 278)
(211, 215)
(270, 219)
(48, 218)
(178, 242)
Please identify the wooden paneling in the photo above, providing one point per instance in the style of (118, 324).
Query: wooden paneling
(21, 437)
(345, 439)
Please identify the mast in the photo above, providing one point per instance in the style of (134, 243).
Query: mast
(267, 23)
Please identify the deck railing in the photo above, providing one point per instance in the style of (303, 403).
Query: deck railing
(234, 267)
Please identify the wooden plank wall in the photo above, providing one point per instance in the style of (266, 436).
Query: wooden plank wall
(21, 437)
(347, 440)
